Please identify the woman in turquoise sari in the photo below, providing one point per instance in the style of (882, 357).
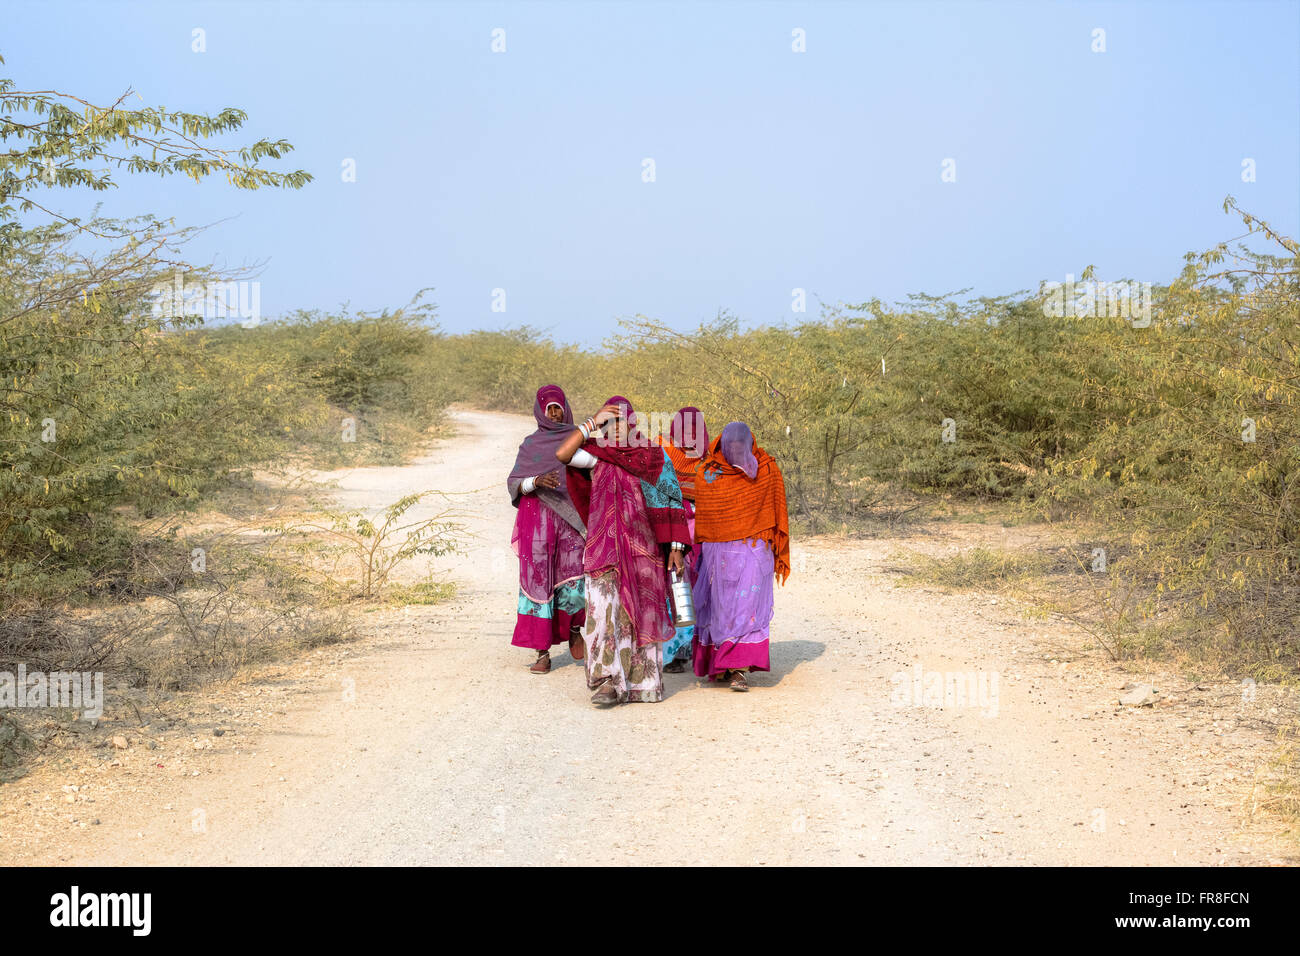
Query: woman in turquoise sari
(685, 446)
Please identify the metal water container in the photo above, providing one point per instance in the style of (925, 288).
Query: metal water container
(683, 603)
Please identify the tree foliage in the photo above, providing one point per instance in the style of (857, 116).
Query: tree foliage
(109, 405)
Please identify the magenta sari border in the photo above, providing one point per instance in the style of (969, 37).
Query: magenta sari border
(540, 634)
(710, 660)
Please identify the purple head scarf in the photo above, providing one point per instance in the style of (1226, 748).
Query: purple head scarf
(625, 407)
(537, 456)
(634, 452)
(689, 432)
(738, 448)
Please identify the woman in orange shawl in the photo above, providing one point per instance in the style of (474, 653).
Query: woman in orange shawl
(743, 535)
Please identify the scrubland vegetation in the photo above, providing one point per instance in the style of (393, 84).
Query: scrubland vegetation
(1174, 446)
(134, 436)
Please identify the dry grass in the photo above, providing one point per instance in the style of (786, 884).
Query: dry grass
(225, 592)
(1276, 793)
(982, 569)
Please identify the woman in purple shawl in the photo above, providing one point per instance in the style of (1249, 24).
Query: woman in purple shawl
(636, 532)
(548, 537)
(743, 546)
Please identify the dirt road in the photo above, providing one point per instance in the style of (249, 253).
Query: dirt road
(429, 741)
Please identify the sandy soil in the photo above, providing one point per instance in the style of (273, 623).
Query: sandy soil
(429, 742)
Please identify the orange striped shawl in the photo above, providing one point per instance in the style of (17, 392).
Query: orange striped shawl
(732, 507)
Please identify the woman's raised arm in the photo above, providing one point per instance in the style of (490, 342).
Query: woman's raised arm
(580, 434)
(570, 445)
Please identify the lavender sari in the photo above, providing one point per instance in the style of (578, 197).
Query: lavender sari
(733, 587)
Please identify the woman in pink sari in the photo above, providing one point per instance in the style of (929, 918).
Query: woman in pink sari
(636, 532)
(548, 537)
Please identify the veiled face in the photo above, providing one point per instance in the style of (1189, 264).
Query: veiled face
(689, 432)
(618, 430)
(554, 412)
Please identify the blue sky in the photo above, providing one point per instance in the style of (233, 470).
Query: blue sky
(774, 170)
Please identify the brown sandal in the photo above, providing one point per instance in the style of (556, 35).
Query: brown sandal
(542, 665)
(605, 695)
(577, 646)
(738, 681)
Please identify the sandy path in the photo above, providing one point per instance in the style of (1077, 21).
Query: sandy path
(451, 752)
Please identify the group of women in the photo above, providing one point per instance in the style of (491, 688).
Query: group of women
(606, 513)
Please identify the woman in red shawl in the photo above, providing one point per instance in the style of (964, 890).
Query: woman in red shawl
(636, 531)
(548, 537)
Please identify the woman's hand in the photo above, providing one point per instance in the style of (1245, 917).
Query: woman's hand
(549, 480)
(605, 414)
(675, 562)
